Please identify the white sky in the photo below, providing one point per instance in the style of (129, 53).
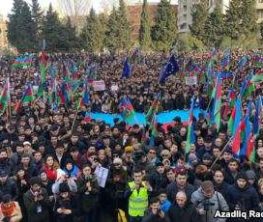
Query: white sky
(6, 5)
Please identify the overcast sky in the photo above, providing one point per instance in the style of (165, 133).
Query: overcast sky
(6, 5)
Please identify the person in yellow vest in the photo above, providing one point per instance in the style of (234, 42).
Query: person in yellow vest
(9, 210)
(137, 193)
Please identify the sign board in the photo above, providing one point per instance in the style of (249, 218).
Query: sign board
(98, 85)
(102, 175)
(191, 80)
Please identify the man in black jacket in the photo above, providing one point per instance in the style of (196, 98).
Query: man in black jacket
(155, 214)
(182, 210)
(180, 185)
(36, 202)
(219, 183)
(7, 185)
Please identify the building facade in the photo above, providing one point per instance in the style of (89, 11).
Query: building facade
(259, 8)
(184, 15)
(185, 8)
(3, 33)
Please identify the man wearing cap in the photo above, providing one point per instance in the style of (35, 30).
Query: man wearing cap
(36, 202)
(241, 195)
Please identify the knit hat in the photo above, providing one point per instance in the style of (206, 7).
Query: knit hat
(251, 175)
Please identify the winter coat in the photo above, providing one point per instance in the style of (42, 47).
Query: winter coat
(172, 190)
(74, 172)
(150, 217)
(216, 202)
(158, 181)
(186, 214)
(9, 187)
(37, 211)
(69, 204)
(246, 198)
(88, 199)
(222, 188)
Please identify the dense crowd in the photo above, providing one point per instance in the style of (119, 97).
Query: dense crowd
(49, 158)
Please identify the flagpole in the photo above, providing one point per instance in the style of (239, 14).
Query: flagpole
(222, 151)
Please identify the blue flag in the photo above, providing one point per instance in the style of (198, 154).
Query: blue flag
(126, 72)
(170, 68)
(225, 75)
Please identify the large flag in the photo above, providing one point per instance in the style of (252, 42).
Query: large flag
(225, 62)
(126, 72)
(257, 115)
(216, 112)
(258, 77)
(5, 96)
(43, 65)
(126, 109)
(85, 99)
(248, 133)
(27, 97)
(170, 68)
(251, 152)
(153, 108)
(237, 138)
(190, 132)
(235, 117)
(247, 86)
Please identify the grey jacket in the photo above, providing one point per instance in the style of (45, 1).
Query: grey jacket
(216, 202)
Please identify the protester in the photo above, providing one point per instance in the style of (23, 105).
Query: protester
(208, 201)
(60, 136)
(182, 209)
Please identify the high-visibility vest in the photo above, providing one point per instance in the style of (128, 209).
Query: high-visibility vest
(138, 201)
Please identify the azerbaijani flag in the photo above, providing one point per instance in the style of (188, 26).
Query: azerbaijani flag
(257, 115)
(190, 131)
(27, 97)
(85, 99)
(153, 109)
(126, 109)
(258, 77)
(237, 138)
(216, 114)
(251, 152)
(235, 117)
(43, 65)
(5, 96)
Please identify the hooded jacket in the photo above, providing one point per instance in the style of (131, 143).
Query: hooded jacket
(216, 202)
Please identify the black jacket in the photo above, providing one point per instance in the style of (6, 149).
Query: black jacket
(9, 187)
(150, 217)
(172, 190)
(185, 214)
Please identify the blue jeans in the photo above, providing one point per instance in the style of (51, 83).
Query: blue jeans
(135, 219)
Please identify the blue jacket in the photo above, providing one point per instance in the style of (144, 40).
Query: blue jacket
(165, 206)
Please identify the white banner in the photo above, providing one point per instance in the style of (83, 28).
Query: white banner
(98, 85)
(191, 80)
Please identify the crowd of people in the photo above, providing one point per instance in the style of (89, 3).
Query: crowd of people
(49, 158)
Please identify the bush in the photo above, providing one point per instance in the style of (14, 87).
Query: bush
(186, 43)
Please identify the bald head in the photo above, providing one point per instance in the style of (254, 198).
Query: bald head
(181, 199)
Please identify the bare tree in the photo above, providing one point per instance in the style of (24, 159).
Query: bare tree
(75, 7)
